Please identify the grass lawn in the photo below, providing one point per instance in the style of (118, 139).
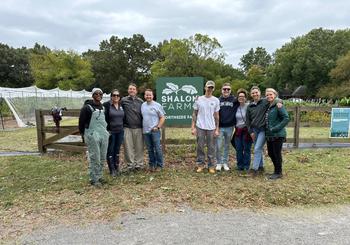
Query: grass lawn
(36, 190)
(26, 140)
(305, 132)
(23, 139)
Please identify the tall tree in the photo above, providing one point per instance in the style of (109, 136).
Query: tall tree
(205, 47)
(120, 61)
(258, 57)
(66, 70)
(340, 80)
(199, 55)
(307, 60)
(14, 67)
(256, 76)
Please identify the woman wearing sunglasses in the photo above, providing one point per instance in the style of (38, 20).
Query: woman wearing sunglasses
(114, 117)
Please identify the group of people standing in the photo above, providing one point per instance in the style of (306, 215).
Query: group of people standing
(217, 122)
(129, 120)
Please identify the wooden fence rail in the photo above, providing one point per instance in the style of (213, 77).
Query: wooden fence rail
(46, 141)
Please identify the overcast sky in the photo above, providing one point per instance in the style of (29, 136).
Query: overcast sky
(238, 25)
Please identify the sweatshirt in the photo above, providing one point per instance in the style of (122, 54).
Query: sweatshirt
(132, 111)
(227, 113)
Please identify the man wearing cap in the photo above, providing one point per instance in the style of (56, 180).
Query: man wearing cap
(92, 127)
(205, 125)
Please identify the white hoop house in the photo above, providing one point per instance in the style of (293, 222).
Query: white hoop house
(23, 101)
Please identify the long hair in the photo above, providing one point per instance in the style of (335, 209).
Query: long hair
(116, 90)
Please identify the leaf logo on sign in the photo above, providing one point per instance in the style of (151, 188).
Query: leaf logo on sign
(189, 89)
(173, 88)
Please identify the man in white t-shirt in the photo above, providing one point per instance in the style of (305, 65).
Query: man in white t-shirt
(205, 125)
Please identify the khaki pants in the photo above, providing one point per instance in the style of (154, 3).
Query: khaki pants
(133, 147)
(206, 138)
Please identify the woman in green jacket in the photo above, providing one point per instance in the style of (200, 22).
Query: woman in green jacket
(275, 133)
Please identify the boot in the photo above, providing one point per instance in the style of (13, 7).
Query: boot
(109, 165)
(117, 165)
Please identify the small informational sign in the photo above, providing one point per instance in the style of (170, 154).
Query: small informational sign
(340, 123)
(177, 95)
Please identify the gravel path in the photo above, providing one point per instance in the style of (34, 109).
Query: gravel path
(185, 226)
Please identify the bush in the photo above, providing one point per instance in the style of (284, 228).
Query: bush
(344, 101)
(4, 109)
(315, 117)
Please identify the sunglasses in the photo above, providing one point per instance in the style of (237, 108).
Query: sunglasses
(115, 95)
(226, 89)
(100, 94)
(211, 87)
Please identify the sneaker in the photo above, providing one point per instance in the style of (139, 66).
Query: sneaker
(275, 176)
(212, 170)
(158, 169)
(226, 168)
(243, 173)
(200, 169)
(253, 172)
(114, 173)
(218, 167)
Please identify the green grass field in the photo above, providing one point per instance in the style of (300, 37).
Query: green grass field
(39, 189)
(26, 139)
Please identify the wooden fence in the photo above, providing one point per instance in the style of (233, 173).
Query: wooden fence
(48, 135)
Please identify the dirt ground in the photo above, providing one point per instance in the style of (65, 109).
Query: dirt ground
(186, 226)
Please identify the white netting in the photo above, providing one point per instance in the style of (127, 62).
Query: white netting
(23, 101)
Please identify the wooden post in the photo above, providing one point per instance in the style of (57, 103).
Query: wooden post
(163, 140)
(296, 126)
(39, 117)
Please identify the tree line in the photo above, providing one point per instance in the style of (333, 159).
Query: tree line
(320, 60)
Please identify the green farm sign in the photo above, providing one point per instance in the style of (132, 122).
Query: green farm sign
(177, 95)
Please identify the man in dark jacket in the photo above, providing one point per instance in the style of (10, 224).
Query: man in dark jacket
(227, 116)
(92, 127)
(133, 137)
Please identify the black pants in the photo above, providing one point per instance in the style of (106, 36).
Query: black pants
(274, 148)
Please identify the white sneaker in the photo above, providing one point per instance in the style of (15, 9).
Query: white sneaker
(226, 168)
(218, 167)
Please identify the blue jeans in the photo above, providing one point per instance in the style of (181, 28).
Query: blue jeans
(115, 141)
(258, 148)
(154, 149)
(224, 137)
(243, 150)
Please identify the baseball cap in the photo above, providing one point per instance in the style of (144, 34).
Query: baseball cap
(210, 84)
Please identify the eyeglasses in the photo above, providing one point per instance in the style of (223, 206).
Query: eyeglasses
(226, 89)
(115, 95)
(100, 94)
